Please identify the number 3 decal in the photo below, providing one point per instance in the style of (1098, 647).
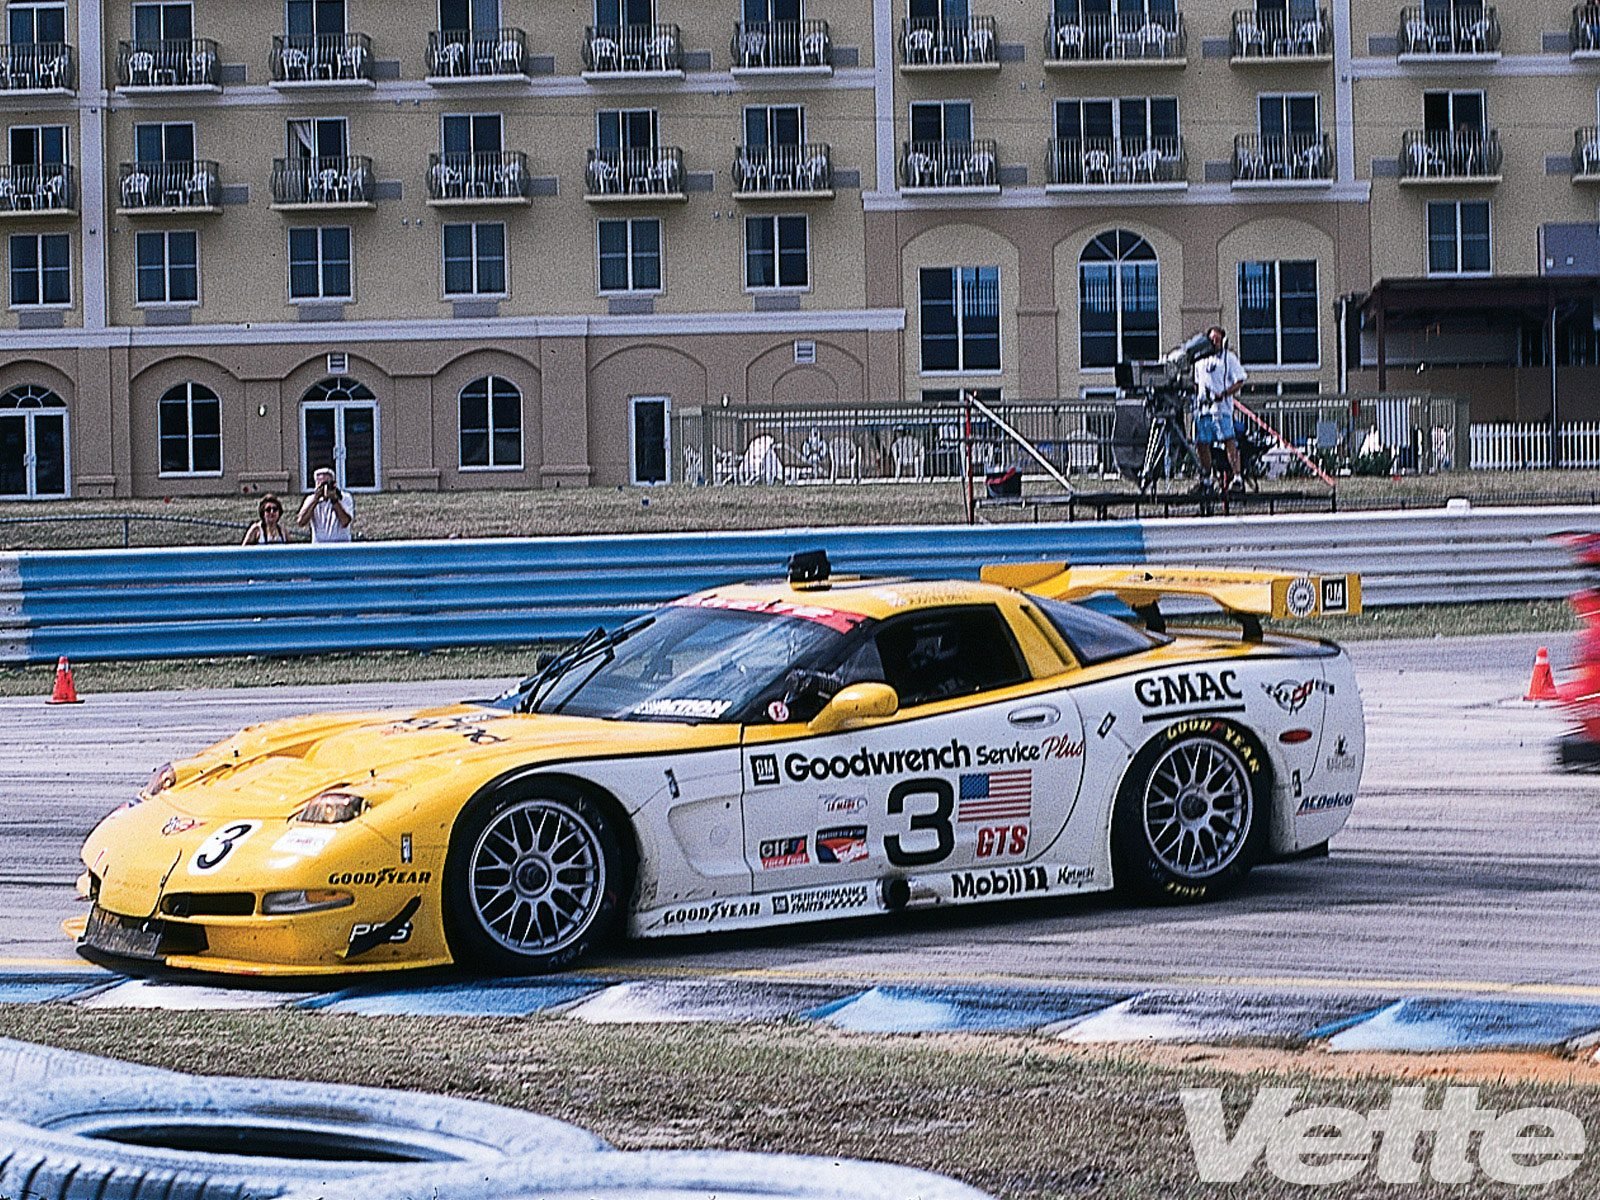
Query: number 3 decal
(938, 821)
(219, 845)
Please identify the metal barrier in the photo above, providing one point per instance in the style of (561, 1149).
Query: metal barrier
(168, 603)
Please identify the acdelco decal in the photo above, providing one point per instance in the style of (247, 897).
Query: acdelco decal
(866, 763)
(1332, 802)
(1191, 689)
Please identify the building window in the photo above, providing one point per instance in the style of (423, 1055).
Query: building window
(1458, 237)
(172, 141)
(491, 425)
(190, 422)
(168, 267)
(475, 259)
(1119, 300)
(1278, 313)
(960, 309)
(319, 264)
(41, 269)
(630, 255)
(777, 252)
(163, 22)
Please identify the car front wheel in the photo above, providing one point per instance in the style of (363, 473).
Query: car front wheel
(532, 882)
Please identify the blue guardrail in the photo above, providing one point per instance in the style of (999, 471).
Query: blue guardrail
(165, 603)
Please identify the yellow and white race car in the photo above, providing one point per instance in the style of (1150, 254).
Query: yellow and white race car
(755, 755)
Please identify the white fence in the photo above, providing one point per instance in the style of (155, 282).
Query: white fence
(1527, 447)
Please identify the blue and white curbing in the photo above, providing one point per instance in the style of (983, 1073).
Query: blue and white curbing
(1085, 1014)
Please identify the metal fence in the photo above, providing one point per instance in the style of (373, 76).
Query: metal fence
(923, 442)
(1526, 447)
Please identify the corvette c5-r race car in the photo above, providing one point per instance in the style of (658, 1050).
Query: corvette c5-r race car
(756, 755)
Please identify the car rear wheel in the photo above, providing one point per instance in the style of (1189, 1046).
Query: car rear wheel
(533, 880)
(1188, 814)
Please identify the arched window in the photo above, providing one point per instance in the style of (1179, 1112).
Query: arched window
(190, 427)
(1119, 300)
(33, 443)
(491, 424)
(339, 429)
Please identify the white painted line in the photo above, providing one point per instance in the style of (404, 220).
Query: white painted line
(144, 993)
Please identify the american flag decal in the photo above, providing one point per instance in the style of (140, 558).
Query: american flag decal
(996, 796)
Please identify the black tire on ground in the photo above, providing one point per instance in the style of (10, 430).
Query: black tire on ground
(1190, 818)
(533, 880)
(197, 1138)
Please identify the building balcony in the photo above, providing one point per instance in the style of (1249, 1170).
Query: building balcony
(1465, 156)
(632, 52)
(170, 66)
(1116, 40)
(781, 48)
(460, 180)
(1449, 34)
(322, 183)
(1278, 160)
(38, 69)
(932, 44)
(464, 56)
(36, 189)
(1134, 164)
(1586, 31)
(950, 168)
(651, 173)
(1586, 155)
(802, 172)
(1276, 36)
(323, 60)
(158, 188)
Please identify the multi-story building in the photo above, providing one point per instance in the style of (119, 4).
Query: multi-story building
(491, 243)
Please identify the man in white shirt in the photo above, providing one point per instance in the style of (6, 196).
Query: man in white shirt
(1217, 381)
(327, 509)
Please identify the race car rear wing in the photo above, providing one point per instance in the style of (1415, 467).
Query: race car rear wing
(1246, 595)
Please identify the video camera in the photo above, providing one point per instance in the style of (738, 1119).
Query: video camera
(1166, 385)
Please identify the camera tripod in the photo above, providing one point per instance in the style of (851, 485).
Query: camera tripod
(1166, 448)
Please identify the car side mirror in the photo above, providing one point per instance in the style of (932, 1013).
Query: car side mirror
(858, 702)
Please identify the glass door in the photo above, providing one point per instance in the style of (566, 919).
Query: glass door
(651, 435)
(33, 455)
(345, 437)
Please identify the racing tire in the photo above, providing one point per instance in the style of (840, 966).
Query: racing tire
(1189, 818)
(25, 1066)
(533, 881)
(185, 1137)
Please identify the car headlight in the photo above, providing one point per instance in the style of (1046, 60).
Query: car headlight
(161, 779)
(331, 807)
(310, 900)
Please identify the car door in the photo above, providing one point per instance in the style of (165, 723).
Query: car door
(979, 767)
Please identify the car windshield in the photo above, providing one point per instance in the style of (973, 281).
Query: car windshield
(688, 662)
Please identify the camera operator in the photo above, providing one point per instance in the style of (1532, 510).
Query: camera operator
(327, 510)
(1218, 379)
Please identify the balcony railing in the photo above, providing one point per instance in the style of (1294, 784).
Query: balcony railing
(783, 170)
(1268, 34)
(1462, 155)
(37, 187)
(632, 50)
(325, 58)
(1280, 158)
(615, 173)
(950, 165)
(1117, 162)
(781, 45)
(1449, 32)
(322, 182)
(37, 67)
(933, 42)
(1586, 29)
(168, 185)
(478, 178)
(1586, 154)
(1117, 38)
(464, 54)
(170, 64)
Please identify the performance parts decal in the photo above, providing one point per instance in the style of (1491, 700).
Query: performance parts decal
(820, 900)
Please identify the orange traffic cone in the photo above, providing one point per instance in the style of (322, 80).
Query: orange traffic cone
(65, 692)
(1543, 685)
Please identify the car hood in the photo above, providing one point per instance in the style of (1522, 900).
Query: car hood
(270, 770)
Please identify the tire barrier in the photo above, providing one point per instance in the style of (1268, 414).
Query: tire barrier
(25, 1067)
(188, 1137)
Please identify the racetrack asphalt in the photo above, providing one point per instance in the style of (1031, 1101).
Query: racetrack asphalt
(1466, 869)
